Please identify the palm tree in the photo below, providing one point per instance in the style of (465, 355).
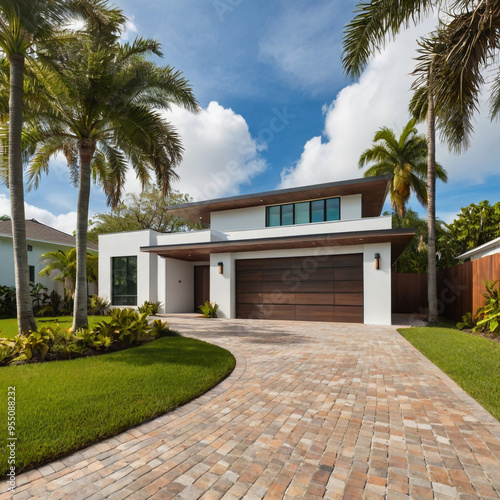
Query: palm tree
(405, 159)
(23, 23)
(108, 100)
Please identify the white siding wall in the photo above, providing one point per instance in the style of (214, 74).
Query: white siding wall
(350, 207)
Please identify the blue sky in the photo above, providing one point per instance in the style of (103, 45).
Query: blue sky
(277, 109)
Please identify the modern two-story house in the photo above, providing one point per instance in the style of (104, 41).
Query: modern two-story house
(315, 253)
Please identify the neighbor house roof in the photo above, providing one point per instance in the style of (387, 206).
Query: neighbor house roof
(372, 189)
(486, 246)
(36, 231)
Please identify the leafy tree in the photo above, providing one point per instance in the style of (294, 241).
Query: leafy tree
(405, 159)
(473, 226)
(108, 100)
(4, 217)
(148, 210)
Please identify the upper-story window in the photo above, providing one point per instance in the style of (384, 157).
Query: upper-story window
(304, 212)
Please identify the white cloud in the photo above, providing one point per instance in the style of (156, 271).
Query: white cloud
(220, 154)
(380, 98)
(130, 28)
(64, 222)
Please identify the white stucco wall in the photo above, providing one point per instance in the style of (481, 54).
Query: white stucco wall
(242, 218)
(350, 207)
(223, 286)
(128, 245)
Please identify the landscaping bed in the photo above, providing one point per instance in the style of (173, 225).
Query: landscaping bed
(63, 406)
(471, 360)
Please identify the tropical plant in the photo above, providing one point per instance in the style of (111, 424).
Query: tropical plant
(108, 98)
(126, 325)
(64, 263)
(467, 321)
(98, 306)
(405, 158)
(209, 309)
(7, 302)
(488, 316)
(147, 210)
(151, 308)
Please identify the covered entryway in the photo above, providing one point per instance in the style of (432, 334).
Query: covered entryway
(319, 288)
(201, 286)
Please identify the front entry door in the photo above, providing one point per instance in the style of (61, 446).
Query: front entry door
(201, 286)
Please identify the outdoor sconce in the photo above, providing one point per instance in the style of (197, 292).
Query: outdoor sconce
(221, 267)
(377, 261)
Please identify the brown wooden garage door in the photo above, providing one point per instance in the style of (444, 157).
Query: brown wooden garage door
(304, 288)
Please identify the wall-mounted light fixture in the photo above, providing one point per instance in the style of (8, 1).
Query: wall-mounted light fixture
(221, 267)
(377, 261)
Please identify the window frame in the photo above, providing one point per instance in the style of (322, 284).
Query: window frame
(113, 295)
(294, 223)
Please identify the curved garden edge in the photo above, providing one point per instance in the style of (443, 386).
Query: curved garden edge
(116, 404)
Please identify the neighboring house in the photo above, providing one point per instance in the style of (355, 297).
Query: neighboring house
(319, 252)
(40, 239)
(490, 248)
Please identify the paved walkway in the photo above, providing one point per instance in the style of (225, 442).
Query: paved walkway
(312, 410)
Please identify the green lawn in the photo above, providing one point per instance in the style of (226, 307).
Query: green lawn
(63, 406)
(8, 327)
(472, 361)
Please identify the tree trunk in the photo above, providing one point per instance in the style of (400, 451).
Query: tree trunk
(86, 152)
(431, 209)
(25, 317)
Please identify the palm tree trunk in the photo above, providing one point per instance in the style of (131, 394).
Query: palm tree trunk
(431, 209)
(25, 317)
(86, 152)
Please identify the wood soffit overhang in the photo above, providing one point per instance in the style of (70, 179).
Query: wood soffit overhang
(373, 191)
(399, 239)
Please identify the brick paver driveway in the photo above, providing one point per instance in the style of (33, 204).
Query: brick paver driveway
(312, 410)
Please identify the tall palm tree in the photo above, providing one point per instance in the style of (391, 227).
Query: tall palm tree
(108, 103)
(406, 159)
(23, 24)
(451, 67)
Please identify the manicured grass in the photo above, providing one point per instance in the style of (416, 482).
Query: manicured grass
(472, 361)
(8, 327)
(63, 406)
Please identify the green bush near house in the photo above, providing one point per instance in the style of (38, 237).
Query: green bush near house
(209, 309)
(472, 361)
(66, 405)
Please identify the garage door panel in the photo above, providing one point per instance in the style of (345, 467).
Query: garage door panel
(249, 276)
(314, 312)
(303, 288)
(348, 314)
(250, 298)
(348, 274)
(279, 297)
(347, 299)
(314, 299)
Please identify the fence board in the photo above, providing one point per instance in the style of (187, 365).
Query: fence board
(460, 288)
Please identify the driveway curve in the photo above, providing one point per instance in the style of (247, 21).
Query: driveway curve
(312, 410)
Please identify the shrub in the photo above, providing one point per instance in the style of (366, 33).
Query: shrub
(488, 316)
(467, 322)
(209, 309)
(52, 304)
(98, 306)
(126, 325)
(7, 302)
(151, 308)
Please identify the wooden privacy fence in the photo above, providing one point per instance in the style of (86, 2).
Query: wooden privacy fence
(460, 288)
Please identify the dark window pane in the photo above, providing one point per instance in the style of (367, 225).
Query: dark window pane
(302, 213)
(286, 215)
(273, 216)
(318, 211)
(124, 277)
(333, 209)
(32, 274)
